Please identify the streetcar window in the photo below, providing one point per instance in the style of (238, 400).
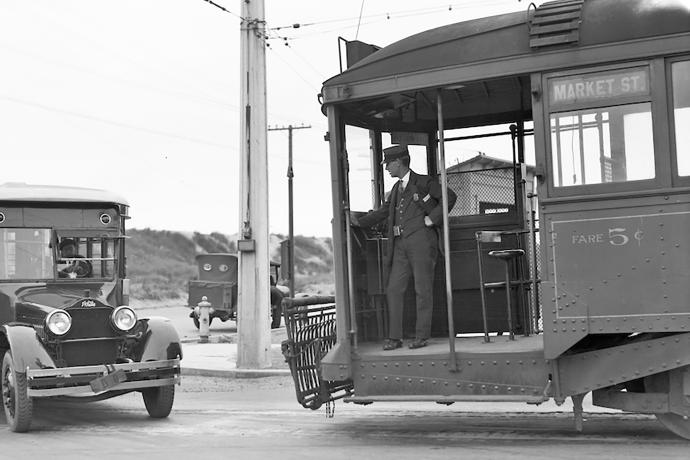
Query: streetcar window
(680, 74)
(601, 127)
(608, 144)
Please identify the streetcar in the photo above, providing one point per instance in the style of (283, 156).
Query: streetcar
(67, 329)
(565, 267)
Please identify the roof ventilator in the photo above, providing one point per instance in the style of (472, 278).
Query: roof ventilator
(555, 23)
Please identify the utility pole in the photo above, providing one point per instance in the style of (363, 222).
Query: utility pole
(253, 301)
(291, 233)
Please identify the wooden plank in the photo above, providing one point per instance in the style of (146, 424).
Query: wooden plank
(554, 40)
(556, 18)
(551, 28)
(560, 4)
(560, 10)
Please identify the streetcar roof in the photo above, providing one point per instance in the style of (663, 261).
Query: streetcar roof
(15, 191)
(499, 46)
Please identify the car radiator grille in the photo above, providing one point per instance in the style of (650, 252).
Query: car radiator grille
(90, 341)
(90, 322)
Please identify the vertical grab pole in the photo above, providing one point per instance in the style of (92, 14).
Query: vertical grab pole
(534, 321)
(478, 236)
(348, 239)
(446, 232)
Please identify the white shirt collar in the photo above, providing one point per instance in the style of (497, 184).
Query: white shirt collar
(406, 178)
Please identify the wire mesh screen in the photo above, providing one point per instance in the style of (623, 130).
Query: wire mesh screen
(311, 334)
(482, 191)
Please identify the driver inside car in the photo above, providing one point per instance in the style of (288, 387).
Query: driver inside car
(69, 254)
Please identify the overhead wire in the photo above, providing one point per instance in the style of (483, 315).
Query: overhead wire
(220, 7)
(359, 21)
(148, 87)
(198, 95)
(82, 39)
(119, 124)
(303, 78)
(397, 14)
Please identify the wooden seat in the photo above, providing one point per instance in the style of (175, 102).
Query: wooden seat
(507, 256)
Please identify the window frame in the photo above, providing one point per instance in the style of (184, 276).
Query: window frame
(658, 102)
(31, 280)
(87, 241)
(677, 179)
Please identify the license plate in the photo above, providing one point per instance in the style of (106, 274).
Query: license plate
(108, 381)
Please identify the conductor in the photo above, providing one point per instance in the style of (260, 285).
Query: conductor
(413, 211)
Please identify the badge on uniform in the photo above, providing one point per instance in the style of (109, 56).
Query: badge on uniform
(415, 197)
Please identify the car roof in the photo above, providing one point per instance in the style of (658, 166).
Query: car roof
(17, 191)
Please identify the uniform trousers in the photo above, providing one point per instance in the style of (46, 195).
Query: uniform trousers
(413, 255)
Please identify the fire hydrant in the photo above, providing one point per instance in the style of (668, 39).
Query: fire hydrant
(204, 307)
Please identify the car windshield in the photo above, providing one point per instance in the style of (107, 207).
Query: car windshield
(27, 254)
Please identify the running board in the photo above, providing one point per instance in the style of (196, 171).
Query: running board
(446, 399)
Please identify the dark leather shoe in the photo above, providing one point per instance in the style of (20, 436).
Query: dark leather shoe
(417, 343)
(392, 344)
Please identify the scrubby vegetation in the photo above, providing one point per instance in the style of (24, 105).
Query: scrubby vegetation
(160, 263)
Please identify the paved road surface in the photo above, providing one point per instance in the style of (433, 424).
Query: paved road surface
(259, 419)
(219, 418)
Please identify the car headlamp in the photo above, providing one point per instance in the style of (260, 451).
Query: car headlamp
(58, 322)
(124, 318)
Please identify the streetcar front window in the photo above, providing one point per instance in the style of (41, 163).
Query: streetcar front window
(609, 144)
(681, 114)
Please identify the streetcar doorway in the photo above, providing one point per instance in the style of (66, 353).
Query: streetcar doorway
(491, 170)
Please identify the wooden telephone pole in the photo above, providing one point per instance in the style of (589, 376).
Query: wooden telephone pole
(253, 300)
(291, 233)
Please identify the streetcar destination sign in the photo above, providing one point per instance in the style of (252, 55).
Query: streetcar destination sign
(598, 86)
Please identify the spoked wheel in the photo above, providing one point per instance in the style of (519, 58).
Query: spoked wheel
(17, 404)
(678, 424)
(159, 400)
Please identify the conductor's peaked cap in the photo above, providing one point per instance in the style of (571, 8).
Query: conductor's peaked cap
(394, 153)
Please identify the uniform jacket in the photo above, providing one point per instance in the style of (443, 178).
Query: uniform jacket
(422, 197)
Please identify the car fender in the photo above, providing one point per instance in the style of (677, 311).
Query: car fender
(162, 341)
(27, 349)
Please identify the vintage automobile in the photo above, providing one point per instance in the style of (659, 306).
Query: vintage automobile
(66, 327)
(218, 283)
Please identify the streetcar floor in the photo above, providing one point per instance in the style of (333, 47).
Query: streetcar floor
(440, 346)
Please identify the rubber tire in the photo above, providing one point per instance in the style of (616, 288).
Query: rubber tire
(159, 400)
(16, 402)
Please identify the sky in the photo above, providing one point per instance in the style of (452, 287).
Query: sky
(142, 97)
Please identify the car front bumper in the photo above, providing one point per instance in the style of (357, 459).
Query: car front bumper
(98, 379)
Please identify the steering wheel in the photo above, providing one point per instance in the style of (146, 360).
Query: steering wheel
(78, 269)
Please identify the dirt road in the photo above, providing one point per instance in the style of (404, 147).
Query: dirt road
(259, 418)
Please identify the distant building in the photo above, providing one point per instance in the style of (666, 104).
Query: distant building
(485, 185)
